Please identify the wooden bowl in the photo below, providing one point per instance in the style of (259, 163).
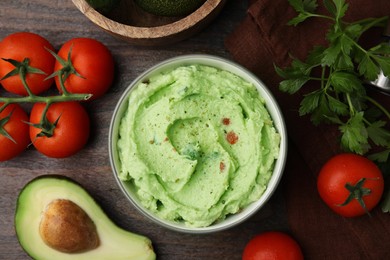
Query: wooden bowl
(129, 22)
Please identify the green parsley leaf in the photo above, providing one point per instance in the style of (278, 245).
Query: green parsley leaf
(346, 44)
(354, 134)
(378, 134)
(372, 22)
(354, 31)
(323, 114)
(293, 85)
(343, 62)
(341, 8)
(296, 76)
(330, 6)
(345, 82)
(302, 6)
(382, 156)
(310, 102)
(384, 63)
(331, 54)
(298, 19)
(302, 67)
(381, 49)
(341, 69)
(368, 68)
(358, 101)
(315, 56)
(337, 106)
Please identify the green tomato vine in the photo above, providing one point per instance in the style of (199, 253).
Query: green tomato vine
(22, 68)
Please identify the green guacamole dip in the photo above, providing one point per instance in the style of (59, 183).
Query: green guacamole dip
(197, 143)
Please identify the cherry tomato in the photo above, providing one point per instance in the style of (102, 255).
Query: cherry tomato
(13, 123)
(94, 64)
(19, 46)
(345, 180)
(71, 130)
(272, 245)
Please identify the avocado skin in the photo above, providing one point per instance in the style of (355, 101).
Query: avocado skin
(103, 6)
(169, 7)
(116, 243)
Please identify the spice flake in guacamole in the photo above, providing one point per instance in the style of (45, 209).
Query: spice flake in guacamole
(197, 143)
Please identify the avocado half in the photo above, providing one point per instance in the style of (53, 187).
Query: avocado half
(114, 242)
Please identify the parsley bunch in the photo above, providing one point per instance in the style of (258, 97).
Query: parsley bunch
(342, 69)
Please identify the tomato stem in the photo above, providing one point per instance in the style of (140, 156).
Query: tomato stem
(3, 106)
(23, 73)
(45, 99)
(46, 127)
(22, 69)
(3, 122)
(66, 70)
(357, 192)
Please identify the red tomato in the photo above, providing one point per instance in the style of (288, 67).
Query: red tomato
(19, 46)
(350, 170)
(13, 121)
(272, 245)
(93, 61)
(70, 134)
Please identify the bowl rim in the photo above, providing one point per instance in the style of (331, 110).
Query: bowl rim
(271, 105)
(140, 32)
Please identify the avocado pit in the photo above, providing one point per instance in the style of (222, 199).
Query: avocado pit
(67, 228)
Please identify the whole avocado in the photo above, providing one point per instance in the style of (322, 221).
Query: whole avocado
(169, 7)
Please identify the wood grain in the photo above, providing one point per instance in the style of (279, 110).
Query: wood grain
(129, 22)
(58, 21)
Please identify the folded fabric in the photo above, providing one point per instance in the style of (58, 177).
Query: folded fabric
(263, 39)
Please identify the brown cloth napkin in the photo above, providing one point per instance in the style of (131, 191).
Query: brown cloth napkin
(264, 39)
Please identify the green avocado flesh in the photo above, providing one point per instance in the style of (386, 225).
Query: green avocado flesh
(196, 144)
(33, 201)
(170, 7)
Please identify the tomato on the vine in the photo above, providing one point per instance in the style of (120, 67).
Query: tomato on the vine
(274, 245)
(30, 50)
(64, 131)
(92, 64)
(350, 184)
(14, 137)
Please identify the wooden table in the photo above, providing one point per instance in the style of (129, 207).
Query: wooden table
(59, 21)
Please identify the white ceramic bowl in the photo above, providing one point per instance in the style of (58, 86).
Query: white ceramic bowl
(271, 105)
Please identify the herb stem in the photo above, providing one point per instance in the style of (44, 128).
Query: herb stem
(346, 64)
(383, 109)
(351, 107)
(322, 16)
(370, 22)
(316, 78)
(327, 85)
(323, 77)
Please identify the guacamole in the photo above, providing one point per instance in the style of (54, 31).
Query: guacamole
(197, 143)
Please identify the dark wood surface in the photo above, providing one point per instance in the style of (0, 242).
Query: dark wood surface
(59, 21)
